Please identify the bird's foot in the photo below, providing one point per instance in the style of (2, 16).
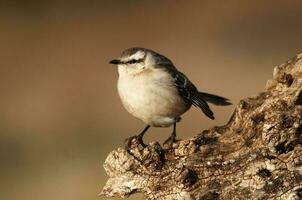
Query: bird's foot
(170, 141)
(129, 141)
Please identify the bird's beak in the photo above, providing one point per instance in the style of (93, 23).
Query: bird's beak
(115, 62)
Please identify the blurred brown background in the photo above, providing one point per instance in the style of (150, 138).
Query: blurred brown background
(60, 114)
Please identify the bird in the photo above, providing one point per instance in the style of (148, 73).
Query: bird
(153, 90)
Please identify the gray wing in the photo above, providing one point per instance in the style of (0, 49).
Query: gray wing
(188, 91)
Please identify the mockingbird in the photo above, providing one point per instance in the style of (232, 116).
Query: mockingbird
(153, 90)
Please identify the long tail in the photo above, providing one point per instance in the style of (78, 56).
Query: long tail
(216, 100)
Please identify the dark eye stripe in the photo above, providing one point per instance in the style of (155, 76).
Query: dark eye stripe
(134, 61)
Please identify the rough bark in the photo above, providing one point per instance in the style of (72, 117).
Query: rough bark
(256, 155)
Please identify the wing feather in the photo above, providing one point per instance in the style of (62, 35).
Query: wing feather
(188, 91)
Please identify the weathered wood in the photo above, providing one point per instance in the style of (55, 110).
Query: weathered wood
(256, 155)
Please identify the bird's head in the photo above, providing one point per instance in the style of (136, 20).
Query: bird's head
(134, 61)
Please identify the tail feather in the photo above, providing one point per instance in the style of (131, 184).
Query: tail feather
(200, 102)
(215, 99)
(206, 110)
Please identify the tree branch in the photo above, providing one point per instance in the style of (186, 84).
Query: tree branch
(256, 155)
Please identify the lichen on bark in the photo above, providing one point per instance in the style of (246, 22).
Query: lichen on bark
(256, 155)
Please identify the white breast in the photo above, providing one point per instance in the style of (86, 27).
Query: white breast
(152, 97)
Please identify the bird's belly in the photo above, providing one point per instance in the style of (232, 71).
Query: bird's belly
(155, 104)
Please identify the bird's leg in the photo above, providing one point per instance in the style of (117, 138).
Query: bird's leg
(141, 135)
(139, 138)
(171, 139)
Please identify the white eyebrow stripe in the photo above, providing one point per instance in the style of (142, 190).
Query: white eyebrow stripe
(137, 56)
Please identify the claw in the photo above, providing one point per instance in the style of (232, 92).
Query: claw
(139, 139)
(129, 142)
